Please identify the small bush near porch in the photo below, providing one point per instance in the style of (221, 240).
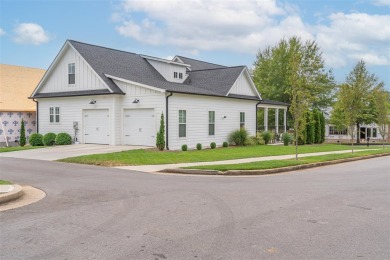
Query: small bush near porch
(153, 156)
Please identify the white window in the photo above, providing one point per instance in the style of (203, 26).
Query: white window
(242, 119)
(175, 75)
(180, 75)
(71, 73)
(182, 123)
(211, 122)
(374, 133)
(333, 131)
(54, 114)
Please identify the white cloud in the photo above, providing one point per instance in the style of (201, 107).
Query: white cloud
(2, 32)
(30, 33)
(381, 2)
(249, 25)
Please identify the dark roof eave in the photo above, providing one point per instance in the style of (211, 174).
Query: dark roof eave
(67, 94)
(211, 95)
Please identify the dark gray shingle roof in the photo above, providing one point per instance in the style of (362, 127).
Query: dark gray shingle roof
(74, 93)
(272, 102)
(207, 79)
(199, 65)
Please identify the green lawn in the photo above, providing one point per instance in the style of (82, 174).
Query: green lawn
(152, 156)
(3, 182)
(290, 162)
(18, 148)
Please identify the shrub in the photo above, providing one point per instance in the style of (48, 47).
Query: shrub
(213, 145)
(286, 137)
(22, 140)
(63, 139)
(239, 137)
(36, 139)
(184, 147)
(225, 144)
(267, 136)
(49, 139)
(198, 146)
(160, 140)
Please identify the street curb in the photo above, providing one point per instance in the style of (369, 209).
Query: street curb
(13, 195)
(269, 171)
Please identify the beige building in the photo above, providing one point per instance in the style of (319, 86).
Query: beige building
(16, 85)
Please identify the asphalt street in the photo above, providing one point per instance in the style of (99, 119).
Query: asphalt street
(333, 212)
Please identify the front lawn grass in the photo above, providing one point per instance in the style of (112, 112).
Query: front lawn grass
(3, 182)
(18, 148)
(152, 156)
(273, 164)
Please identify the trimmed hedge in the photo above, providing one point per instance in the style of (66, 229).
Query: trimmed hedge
(184, 147)
(225, 144)
(63, 139)
(49, 139)
(198, 146)
(36, 139)
(213, 145)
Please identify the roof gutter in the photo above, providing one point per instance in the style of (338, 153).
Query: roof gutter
(166, 120)
(37, 114)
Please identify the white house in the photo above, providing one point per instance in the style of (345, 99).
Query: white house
(106, 96)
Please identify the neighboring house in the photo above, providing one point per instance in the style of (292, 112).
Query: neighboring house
(106, 96)
(16, 85)
(332, 134)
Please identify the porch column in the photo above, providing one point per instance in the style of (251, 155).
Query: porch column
(266, 119)
(285, 119)
(277, 120)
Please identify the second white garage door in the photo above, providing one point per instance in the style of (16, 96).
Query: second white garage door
(96, 126)
(139, 127)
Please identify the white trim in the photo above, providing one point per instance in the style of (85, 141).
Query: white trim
(177, 58)
(271, 106)
(250, 80)
(135, 83)
(164, 60)
(55, 62)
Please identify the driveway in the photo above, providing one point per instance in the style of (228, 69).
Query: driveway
(65, 151)
(334, 212)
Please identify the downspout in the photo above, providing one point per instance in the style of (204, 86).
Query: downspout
(37, 115)
(166, 120)
(258, 103)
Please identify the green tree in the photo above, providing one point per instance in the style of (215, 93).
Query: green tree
(22, 140)
(322, 117)
(317, 126)
(273, 70)
(361, 83)
(381, 100)
(310, 127)
(160, 140)
(337, 119)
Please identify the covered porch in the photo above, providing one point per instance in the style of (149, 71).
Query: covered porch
(271, 116)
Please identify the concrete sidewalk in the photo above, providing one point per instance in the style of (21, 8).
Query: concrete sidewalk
(159, 167)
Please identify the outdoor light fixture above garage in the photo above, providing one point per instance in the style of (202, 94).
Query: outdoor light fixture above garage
(93, 102)
(136, 101)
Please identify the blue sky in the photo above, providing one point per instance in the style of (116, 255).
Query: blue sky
(222, 32)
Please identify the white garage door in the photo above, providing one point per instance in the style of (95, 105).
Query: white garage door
(96, 126)
(139, 127)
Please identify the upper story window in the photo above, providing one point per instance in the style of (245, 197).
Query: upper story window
(242, 119)
(175, 75)
(180, 75)
(71, 73)
(54, 113)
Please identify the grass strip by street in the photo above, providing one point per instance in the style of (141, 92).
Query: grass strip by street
(274, 164)
(153, 156)
(3, 182)
(18, 148)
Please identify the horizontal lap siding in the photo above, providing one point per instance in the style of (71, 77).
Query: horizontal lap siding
(197, 119)
(148, 98)
(70, 111)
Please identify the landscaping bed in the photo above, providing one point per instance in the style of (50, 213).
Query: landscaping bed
(153, 156)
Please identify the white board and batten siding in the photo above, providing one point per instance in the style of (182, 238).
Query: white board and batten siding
(197, 122)
(167, 70)
(85, 77)
(243, 86)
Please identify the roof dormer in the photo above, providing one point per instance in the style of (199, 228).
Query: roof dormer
(172, 71)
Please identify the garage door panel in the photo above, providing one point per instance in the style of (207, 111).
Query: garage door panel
(96, 126)
(139, 127)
